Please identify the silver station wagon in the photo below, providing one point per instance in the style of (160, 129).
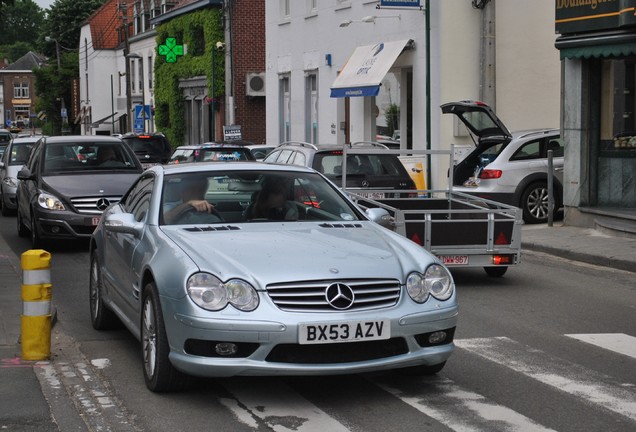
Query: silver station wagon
(243, 268)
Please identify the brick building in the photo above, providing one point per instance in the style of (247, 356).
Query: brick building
(17, 90)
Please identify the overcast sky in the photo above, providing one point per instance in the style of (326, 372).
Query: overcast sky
(44, 4)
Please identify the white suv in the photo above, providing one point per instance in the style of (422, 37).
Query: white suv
(507, 167)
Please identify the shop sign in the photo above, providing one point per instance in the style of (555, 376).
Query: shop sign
(573, 16)
(400, 3)
(232, 132)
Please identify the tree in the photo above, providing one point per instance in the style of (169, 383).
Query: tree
(21, 22)
(65, 18)
(392, 117)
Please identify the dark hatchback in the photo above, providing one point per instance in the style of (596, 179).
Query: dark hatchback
(367, 173)
(150, 148)
(67, 183)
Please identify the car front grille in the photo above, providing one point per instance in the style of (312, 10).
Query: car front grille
(93, 205)
(310, 296)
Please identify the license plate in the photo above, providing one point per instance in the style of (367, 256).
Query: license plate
(372, 195)
(454, 259)
(349, 331)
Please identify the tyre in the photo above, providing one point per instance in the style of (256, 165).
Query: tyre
(534, 203)
(22, 229)
(496, 271)
(423, 370)
(102, 317)
(159, 374)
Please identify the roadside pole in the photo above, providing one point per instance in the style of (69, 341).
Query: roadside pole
(550, 188)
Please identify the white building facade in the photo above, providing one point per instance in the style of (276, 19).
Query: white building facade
(505, 46)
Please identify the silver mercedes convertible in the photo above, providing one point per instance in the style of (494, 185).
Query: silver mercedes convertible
(243, 268)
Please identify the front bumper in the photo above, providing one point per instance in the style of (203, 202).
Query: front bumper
(65, 224)
(270, 347)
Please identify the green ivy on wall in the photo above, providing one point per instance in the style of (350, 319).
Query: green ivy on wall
(188, 30)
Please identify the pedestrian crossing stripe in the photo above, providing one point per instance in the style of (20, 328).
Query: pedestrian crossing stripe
(562, 375)
(617, 342)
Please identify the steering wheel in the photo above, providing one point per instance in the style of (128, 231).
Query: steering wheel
(192, 216)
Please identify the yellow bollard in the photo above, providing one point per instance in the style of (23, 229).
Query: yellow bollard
(36, 305)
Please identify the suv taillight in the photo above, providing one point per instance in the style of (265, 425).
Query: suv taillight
(490, 174)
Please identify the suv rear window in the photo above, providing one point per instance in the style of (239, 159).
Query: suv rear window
(330, 164)
(156, 146)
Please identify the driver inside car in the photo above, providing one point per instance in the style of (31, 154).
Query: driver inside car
(192, 207)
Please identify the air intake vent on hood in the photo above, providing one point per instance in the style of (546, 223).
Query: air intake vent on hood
(341, 225)
(213, 228)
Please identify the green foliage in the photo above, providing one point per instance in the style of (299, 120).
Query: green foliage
(392, 117)
(187, 29)
(65, 18)
(21, 22)
(51, 86)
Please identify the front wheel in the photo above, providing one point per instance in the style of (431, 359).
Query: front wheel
(102, 318)
(159, 374)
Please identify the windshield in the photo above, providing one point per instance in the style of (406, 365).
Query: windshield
(149, 145)
(249, 196)
(20, 152)
(95, 156)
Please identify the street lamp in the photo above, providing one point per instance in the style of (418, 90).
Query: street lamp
(64, 113)
(134, 56)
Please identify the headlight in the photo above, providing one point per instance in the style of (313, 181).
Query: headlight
(437, 282)
(10, 181)
(49, 202)
(210, 293)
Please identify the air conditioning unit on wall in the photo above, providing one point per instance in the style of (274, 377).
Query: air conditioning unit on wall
(255, 84)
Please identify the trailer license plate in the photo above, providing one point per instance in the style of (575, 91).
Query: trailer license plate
(350, 331)
(454, 259)
(372, 195)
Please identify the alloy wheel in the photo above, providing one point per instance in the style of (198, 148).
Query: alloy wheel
(149, 338)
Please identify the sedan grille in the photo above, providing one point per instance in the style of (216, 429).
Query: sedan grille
(311, 296)
(93, 205)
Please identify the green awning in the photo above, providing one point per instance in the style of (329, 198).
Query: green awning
(610, 50)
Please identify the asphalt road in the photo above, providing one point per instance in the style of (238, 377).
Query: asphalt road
(524, 361)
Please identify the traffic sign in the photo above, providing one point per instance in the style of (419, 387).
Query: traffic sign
(138, 126)
(142, 112)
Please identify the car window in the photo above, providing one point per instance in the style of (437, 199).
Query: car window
(137, 201)
(530, 150)
(272, 156)
(283, 156)
(299, 159)
(221, 154)
(150, 145)
(330, 164)
(182, 156)
(557, 147)
(248, 196)
(73, 156)
(20, 153)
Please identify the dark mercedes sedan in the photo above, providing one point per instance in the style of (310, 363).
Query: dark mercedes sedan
(68, 181)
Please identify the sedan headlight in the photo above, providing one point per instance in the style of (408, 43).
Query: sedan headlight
(436, 281)
(49, 202)
(210, 293)
(10, 181)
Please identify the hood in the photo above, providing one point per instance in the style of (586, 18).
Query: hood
(89, 184)
(479, 118)
(302, 251)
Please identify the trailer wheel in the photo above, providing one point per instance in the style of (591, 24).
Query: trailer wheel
(496, 271)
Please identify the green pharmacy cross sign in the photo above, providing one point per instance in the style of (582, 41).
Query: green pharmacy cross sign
(171, 50)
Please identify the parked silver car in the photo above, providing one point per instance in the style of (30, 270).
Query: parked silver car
(244, 268)
(507, 167)
(11, 162)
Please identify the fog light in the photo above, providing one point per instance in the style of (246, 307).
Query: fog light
(225, 348)
(55, 229)
(437, 337)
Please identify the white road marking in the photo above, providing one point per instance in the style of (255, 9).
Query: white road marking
(462, 410)
(617, 342)
(565, 376)
(282, 409)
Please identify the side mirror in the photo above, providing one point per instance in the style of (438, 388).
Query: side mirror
(380, 216)
(25, 174)
(123, 223)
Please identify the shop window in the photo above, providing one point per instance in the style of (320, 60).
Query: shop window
(311, 108)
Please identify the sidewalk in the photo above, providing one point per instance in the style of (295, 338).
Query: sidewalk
(25, 408)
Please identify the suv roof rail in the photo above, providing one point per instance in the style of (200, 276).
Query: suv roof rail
(538, 132)
(372, 143)
(301, 144)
